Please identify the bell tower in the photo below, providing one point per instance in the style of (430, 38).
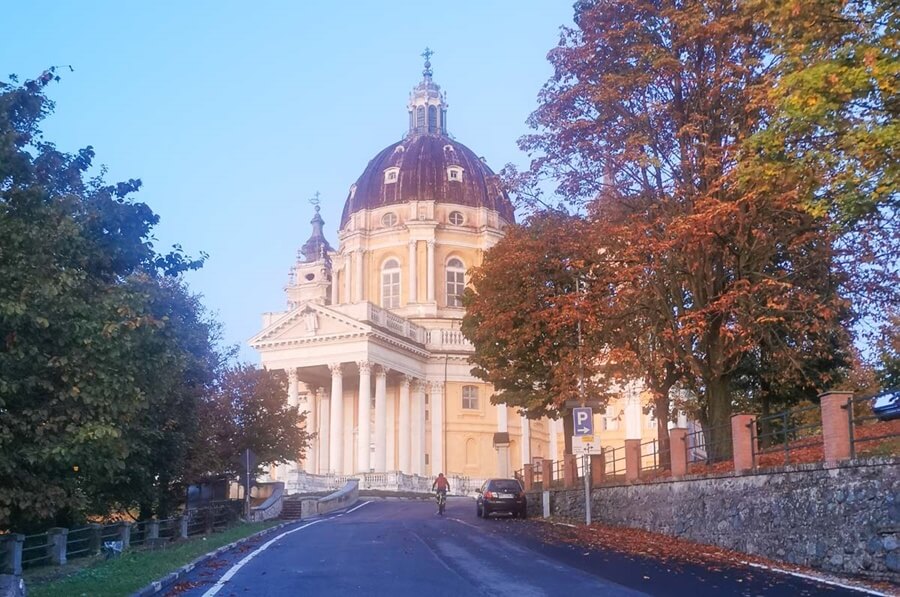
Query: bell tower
(311, 277)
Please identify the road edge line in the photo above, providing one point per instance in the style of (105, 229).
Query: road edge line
(169, 579)
(820, 579)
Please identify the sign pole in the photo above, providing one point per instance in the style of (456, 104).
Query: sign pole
(587, 489)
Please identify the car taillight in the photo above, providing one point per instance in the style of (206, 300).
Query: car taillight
(488, 495)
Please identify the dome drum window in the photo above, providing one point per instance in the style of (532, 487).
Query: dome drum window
(391, 175)
(389, 220)
(456, 218)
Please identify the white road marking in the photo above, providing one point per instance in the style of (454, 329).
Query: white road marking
(234, 569)
(464, 522)
(820, 579)
(358, 507)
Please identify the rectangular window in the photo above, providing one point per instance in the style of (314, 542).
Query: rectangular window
(456, 285)
(390, 282)
(470, 397)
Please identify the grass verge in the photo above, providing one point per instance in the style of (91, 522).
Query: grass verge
(135, 569)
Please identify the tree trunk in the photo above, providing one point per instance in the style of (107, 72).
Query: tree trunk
(568, 429)
(661, 409)
(718, 400)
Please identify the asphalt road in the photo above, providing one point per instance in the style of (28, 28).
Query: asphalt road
(402, 548)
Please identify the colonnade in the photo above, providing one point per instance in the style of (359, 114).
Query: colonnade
(328, 452)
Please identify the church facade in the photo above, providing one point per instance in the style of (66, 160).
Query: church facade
(371, 340)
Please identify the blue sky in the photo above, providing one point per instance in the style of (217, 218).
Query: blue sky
(234, 114)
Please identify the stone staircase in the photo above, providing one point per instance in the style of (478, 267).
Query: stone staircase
(291, 510)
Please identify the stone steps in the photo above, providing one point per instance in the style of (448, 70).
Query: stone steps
(291, 510)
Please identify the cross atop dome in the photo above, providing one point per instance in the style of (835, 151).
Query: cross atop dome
(427, 104)
(427, 54)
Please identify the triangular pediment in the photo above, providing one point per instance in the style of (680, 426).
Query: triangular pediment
(309, 322)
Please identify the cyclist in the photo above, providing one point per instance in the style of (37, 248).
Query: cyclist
(441, 486)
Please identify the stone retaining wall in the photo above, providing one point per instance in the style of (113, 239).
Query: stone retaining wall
(345, 497)
(842, 519)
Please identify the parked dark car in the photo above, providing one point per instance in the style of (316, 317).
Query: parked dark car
(887, 406)
(501, 495)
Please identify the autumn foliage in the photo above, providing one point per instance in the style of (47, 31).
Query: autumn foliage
(702, 256)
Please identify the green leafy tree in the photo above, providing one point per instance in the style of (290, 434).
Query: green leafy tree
(69, 325)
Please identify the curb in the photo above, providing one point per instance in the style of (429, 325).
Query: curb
(170, 579)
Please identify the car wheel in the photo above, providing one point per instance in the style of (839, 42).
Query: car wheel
(523, 514)
(478, 511)
(484, 512)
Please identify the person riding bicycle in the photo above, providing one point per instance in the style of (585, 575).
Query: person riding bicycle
(441, 486)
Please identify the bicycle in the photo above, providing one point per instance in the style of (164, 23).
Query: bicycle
(441, 501)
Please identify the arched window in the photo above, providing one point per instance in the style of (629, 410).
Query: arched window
(470, 397)
(390, 284)
(420, 118)
(456, 282)
(432, 119)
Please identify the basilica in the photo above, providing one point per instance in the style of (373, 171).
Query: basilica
(370, 338)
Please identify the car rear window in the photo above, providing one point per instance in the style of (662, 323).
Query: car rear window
(506, 485)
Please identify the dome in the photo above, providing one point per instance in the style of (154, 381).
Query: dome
(427, 167)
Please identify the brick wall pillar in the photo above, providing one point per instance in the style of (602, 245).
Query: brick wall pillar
(598, 468)
(836, 425)
(570, 470)
(56, 545)
(546, 474)
(678, 451)
(528, 476)
(632, 459)
(742, 441)
(11, 550)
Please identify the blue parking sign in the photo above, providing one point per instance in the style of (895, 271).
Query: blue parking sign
(584, 420)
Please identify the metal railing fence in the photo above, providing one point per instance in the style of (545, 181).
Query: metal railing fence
(786, 432)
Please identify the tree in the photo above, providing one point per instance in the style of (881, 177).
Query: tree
(525, 327)
(247, 410)
(645, 122)
(68, 322)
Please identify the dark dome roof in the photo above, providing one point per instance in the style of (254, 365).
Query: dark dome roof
(423, 161)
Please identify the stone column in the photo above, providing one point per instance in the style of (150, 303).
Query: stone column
(502, 449)
(405, 430)
(364, 414)
(418, 444)
(632, 414)
(526, 441)
(293, 386)
(554, 438)
(836, 416)
(312, 426)
(11, 549)
(334, 286)
(430, 274)
(324, 440)
(437, 427)
(380, 420)
(413, 274)
(56, 545)
(345, 271)
(336, 456)
(360, 275)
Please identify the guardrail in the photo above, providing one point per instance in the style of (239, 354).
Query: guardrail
(58, 545)
(786, 432)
